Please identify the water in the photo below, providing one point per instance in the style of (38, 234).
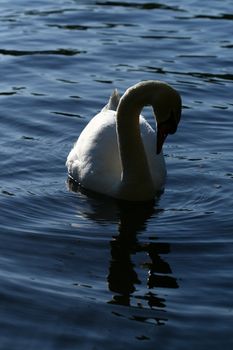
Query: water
(83, 272)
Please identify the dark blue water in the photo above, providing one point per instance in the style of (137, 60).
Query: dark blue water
(83, 272)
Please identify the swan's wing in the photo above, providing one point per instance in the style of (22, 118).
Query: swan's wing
(94, 161)
(113, 101)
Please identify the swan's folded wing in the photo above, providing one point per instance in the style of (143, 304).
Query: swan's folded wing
(113, 101)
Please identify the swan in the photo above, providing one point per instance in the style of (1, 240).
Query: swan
(118, 153)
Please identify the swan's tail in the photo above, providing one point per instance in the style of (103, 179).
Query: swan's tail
(113, 101)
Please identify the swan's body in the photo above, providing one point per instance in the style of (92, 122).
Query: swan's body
(116, 152)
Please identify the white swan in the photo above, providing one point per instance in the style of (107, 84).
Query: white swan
(118, 153)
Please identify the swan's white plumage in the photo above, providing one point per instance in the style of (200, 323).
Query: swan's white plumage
(95, 161)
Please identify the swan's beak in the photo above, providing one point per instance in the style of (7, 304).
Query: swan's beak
(161, 137)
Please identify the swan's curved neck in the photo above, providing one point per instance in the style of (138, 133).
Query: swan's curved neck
(136, 175)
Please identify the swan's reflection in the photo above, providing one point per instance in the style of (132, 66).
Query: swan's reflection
(122, 277)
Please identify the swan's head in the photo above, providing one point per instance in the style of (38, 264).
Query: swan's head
(166, 103)
(167, 110)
